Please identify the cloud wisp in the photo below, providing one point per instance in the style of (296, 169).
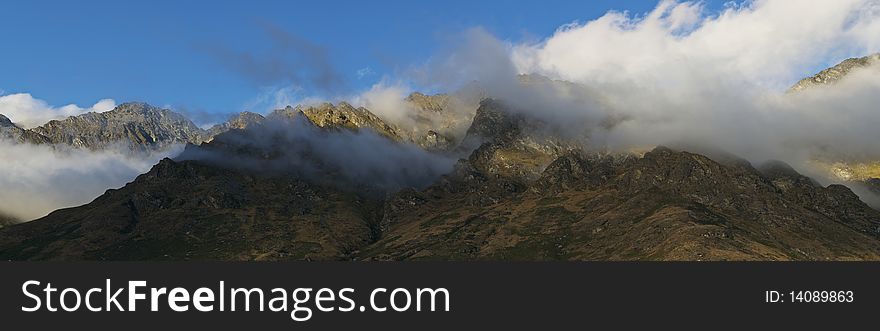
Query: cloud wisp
(290, 60)
(341, 157)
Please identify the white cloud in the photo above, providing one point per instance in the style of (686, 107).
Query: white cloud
(679, 74)
(38, 179)
(387, 101)
(272, 98)
(29, 112)
(364, 72)
(767, 43)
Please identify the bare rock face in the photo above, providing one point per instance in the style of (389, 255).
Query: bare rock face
(434, 103)
(511, 145)
(440, 121)
(836, 73)
(8, 130)
(238, 121)
(5, 122)
(138, 126)
(344, 116)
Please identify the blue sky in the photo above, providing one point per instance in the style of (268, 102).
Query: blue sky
(172, 52)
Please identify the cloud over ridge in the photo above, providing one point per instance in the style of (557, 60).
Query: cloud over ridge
(28, 112)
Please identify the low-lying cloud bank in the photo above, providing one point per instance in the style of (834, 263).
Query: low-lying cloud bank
(37, 179)
(28, 112)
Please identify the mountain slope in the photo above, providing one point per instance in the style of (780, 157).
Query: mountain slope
(666, 205)
(269, 191)
(184, 210)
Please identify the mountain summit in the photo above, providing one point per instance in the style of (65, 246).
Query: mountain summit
(12, 132)
(836, 73)
(137, 125)
(5, 122)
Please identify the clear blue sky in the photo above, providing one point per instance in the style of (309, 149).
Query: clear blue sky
(178, 53)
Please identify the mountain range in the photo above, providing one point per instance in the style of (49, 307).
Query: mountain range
(337, 182)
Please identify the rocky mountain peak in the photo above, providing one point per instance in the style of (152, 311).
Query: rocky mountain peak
(12, 132)
(434, 103)
(286, 112)
(244, 119)
(344, 115)
(135, 108)
(836, 73)
(239, 121)
(510, 144)
(5, 122)
(136, 124)
(492, 121)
